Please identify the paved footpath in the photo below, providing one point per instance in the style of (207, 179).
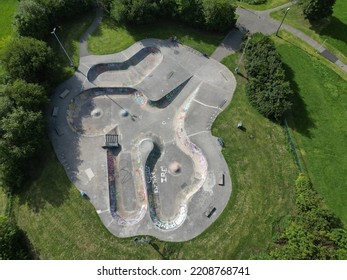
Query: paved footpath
(260, 21)
(84, 39)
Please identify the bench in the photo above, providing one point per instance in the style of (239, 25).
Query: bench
(58, 131)
(210, 212)
(64, 94)
(221, 179)
(55, 111)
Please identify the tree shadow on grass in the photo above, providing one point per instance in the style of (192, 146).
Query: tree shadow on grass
(332, 27)
(300, 120)
(164, 29)
(50, 185)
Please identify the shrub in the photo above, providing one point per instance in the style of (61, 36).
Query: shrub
(218, 15)
(317, 9)
(267, 89)
(30, 60)
(134, 11)
(32, 20)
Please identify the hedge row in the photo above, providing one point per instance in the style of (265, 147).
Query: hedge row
(215, 15)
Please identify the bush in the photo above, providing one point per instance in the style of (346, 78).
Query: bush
(21, 133)
(317, 9)
(26, 95)
(134, 11)
(32, 20)
(314, 232)
(267, 89)
(218, 15)
(36, 18)
(12, 241)
(30, 60)
(214, 15)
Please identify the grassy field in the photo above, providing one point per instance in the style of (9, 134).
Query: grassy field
(61, 225)
(268, 5)
(8, 7)
(330, 31)
(319, 122)
(111, 38)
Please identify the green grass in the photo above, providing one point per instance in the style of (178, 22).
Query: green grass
(8, 8)
(332, 31)
(268, 5)
(61, 225)
(319, 122)
(2, 202)
(111, 38)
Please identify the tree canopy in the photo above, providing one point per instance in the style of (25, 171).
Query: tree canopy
(267, 90)
(215, 15)
(317, 9)
(29, 59)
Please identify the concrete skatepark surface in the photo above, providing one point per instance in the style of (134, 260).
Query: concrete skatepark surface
(160, 98)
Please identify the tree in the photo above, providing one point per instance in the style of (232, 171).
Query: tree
(297, 244)
(134, 11)
(26, 95)
(317, 9)
(11, 241)
(267, 89)
(22, 132)
(32, 19)
(219, 15)
(30, 60)
(191, 11)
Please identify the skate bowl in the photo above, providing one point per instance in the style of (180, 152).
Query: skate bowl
(135, 137)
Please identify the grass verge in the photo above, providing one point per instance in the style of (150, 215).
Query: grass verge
(331, 32)
(111, 38)
(268, 5)
(318, 121)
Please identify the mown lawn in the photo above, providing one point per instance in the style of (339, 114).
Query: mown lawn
(269, 4)
(319, 123)
(332, 32)
(111, 38)
(61, 225)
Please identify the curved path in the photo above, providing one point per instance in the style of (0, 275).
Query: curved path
(260, 21)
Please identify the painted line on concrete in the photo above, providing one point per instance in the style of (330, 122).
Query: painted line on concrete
(209, 106)
(197, 133)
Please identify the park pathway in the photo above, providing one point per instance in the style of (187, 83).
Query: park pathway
(84, 39)
(260, 21)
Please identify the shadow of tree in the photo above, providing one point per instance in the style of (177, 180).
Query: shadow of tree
(299, 115)
(50, 186)
(332, 27)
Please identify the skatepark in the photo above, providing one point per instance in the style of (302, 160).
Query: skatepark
(132, 130)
